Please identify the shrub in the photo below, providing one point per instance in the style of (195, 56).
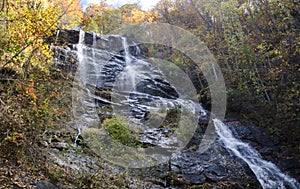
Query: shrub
(119, 132)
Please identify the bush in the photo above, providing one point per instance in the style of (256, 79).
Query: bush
(30, 106)
(119, 132)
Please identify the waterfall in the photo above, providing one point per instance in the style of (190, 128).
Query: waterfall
(57, 34)
(140, 90)
(87, 73)
(126, 51)
(52, 48)
(77, 136)
(268, 174)
(128, 78)
(137, 49)
(214, 70)
(131, 71)
(80, 55)
(80, 45)
(93, 49)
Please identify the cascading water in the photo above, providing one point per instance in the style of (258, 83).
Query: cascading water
(88, 71)
(93, 49)
(137, 81)
(80, 54)
(266, 172)
(140, 87)
(126, 51)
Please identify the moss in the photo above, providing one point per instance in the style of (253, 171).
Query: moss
(119, 132)
(56, 174)
(172, 118)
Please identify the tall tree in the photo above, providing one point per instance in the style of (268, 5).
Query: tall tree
(101, 18)
(132, 13)
(71, 11)
(257, 45)
(26, 25)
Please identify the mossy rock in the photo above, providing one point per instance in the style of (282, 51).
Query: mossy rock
(120, 132)
(172, 118)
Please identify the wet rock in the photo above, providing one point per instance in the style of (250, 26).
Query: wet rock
(290, 164)
(66, 37)
(159, 137)
(216, 172)
(44, 143)
(193, 178)
(43, 184)
(249, 132)
(187, 166)
(215, 165)
(157, 87)
(60, 145)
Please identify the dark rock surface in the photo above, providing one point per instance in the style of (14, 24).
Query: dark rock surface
(157, 87)
(268, 146)
(213, 165)
(188, 167)
(60, 145)
(43, 184)
(68, 38)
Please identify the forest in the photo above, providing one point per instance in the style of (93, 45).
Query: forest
(256, 44)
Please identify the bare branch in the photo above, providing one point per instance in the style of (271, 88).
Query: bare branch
(2, 6)
(2, 102)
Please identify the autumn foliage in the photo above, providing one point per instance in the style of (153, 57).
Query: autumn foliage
(257, 45)
(71, 13)
(29, 94)
(103, 18)
(25, 25)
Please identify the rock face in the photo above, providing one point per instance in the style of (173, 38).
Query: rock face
(188, 167)
(45, 185)
(214, 165)
(68, 38)
(269, 147)
(157, 87)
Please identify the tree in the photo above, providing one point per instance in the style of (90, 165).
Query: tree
(101, 18)
(25, 26)
(71, 11)
(132, 13)
(29, 94)
(257, 46)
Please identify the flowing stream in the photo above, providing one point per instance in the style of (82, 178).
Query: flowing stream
(267, 173)
(130, 73)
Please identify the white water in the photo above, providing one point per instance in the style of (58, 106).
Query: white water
(128, 78)
(93, 49)
(88, 68)
(138, 50)
(126, 51)
(267, 173)
(52, 47)
(80, 45)
(80, 54)
(89, 64)
(77, 136)
(215, 73)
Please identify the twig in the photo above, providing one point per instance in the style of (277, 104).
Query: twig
(2, 6)
(2, 102)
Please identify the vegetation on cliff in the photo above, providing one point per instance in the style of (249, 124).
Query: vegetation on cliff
(257, 44)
